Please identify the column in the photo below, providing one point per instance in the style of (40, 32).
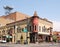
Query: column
(13, 38)
(16, 34)
(28, 37)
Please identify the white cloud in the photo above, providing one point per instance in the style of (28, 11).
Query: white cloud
(56, 25)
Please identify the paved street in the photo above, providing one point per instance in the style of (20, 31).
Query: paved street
(32, 45)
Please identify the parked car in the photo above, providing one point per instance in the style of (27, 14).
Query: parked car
(0, 41)
(3, 41)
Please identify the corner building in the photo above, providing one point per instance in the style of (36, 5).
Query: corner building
(30, 29)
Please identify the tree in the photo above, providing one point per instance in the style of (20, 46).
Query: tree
(8, 9)
(54, 38)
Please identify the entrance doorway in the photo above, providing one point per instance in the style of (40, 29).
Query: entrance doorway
(9, 38)
(46, 38)
(33, 37)
(43, 38)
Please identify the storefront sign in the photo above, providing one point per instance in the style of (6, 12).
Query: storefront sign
(25, 30)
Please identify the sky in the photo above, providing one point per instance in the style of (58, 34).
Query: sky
(49, 9)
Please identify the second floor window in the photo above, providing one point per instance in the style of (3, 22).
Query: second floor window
(39, 28)
(0, 32)
(35, 27)
(3, 31)
(18, 29)
(10, 31)
(22, 29)
(29, 28)
(43, 29)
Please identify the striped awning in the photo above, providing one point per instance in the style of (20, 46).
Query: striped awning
(8, 36)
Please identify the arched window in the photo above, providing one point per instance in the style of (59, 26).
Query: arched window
(29, 28)
(35, 27)
(51, 29)
(10, 31)
(40, 28)
(3, 31)
(18, 29)
(43, 29)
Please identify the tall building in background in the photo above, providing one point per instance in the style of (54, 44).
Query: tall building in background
(23, 28)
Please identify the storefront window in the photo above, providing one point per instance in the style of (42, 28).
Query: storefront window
(0, 37)
(4, 37)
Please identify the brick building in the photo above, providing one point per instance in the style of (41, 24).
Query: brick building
(22, 27)
(57, 34)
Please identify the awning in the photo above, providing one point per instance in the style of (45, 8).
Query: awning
(8, 36)
(25, 30)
